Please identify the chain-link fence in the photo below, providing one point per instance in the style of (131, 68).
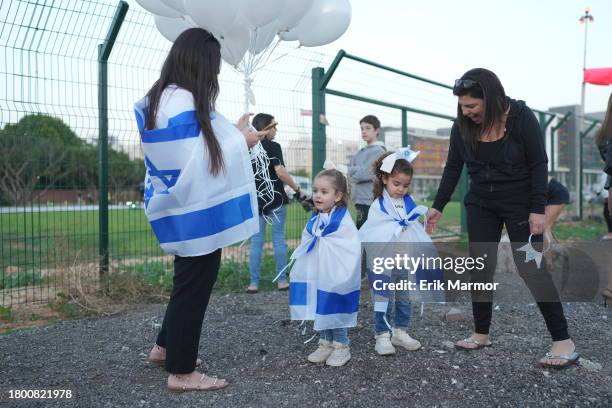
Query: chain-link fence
(49, 124)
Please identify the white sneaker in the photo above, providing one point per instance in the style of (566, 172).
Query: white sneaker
(321, 354)
(403, 339)
(383, 344)
(340, 355)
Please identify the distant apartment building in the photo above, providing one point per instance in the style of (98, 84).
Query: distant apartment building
(562, 156)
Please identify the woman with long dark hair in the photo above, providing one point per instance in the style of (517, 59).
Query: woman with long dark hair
(199, 194)
(499, 140)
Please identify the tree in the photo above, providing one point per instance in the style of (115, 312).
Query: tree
(33, 153)
(41, 152)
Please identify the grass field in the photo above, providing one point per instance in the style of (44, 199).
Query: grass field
(45, 239)
(33, 242)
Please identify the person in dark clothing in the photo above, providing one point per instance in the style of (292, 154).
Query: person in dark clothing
(272, 209)
(499, 140)
(604, 143)
(557, 197)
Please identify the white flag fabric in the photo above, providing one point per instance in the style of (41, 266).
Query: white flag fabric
(385, 234)
(325, 278)
(191, 211)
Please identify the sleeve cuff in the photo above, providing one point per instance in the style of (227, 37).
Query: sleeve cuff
(537, 209)
(438, 205)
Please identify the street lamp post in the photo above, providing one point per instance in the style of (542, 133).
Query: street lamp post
(585, 19)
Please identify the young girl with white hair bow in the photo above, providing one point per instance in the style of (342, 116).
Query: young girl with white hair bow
(393, 228)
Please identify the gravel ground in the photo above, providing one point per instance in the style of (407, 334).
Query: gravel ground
(247, 339)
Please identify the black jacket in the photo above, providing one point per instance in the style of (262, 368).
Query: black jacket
(602, 151)
(520, 167)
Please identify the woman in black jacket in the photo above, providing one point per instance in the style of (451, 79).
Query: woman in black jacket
(499, 140)
(604, 143)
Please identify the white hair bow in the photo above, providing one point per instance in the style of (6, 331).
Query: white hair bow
(330, 165)
(402, 153)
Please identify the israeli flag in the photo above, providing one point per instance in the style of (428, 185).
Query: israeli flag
(191, 212)
(325, 278)
(385, 234)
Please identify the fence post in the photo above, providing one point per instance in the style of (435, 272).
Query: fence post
(104, 51)
(318, 116)
(580, 185)
(404, 128)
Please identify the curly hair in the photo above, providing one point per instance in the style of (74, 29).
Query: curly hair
(339, 182)
(400, 166)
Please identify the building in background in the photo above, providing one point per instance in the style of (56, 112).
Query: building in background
(564, 166)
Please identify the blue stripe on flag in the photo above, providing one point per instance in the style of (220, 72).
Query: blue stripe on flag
(203, 223)
(409, 203)
(298, 293)
(185, 125)
(334, 303)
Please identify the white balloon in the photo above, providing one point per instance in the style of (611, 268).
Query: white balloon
(261, 37)
(259, 13)
(325, 22)
(158, 8)
(178, 5)
(290, 35)
(235, 44)
(171, 28)
(292, 12)
(213, 15)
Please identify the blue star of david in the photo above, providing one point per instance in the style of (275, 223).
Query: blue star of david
(168, 177)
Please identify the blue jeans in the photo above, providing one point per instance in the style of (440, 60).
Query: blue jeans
(339, 335)
(278, 242)
(401, 316)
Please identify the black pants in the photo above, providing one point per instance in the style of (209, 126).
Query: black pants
(486, 219)
(362, 214)
(194, 278)
(607, 215)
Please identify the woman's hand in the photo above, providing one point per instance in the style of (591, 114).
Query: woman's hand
(536, 223)
(244, 121)
(433, 216)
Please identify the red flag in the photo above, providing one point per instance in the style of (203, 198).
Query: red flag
(598, 76)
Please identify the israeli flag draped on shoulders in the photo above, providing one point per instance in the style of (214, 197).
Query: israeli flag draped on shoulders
(387, 233)
(325, 278)
(191, 211)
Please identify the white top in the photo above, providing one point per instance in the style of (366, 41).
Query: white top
(398, 204)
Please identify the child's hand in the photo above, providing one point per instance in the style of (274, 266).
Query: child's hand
(433, 216)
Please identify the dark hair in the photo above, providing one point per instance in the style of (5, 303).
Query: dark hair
(400, 166)
(193, 63)
(339, 182)
(372, 120)
(261, 120)
(605, 132)
(487, 87)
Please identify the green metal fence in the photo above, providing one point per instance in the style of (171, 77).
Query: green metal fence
(71, 73)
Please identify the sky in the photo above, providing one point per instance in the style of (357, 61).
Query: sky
(535, 47)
